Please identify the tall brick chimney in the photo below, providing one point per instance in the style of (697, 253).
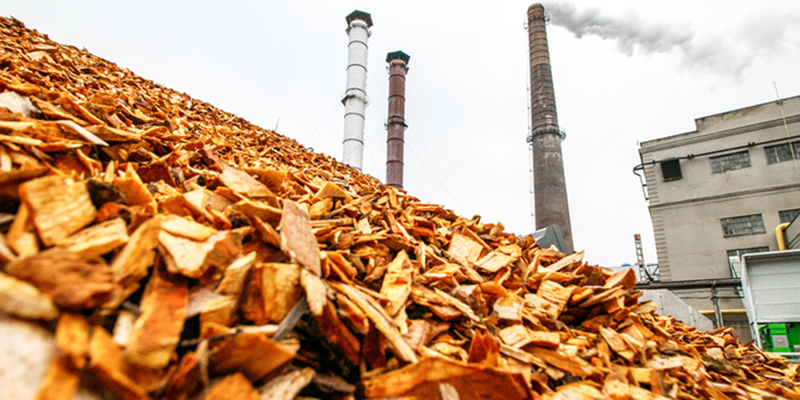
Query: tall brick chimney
(396, 123)
(549, 186)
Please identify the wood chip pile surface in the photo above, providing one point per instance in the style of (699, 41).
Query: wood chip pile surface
(170, 250)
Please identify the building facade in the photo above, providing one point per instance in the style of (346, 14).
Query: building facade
(719, 192)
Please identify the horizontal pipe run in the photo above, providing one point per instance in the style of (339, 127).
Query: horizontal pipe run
(691, 284)
(733, 311)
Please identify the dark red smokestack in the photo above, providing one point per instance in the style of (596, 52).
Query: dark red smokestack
(549, 186)
(396, 123)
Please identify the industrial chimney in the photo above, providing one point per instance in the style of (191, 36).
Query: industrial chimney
(355, 97)
(550, 190)
(396, 123)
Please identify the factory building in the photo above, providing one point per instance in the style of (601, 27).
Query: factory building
(720, 192)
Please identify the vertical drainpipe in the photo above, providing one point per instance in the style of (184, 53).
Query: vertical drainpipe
(549, 185)
(355, 98)
(396, 123)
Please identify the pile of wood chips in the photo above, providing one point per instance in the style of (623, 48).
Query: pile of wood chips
(175, 251)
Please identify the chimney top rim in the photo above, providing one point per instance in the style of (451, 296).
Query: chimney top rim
(359, 15)
(398, 55)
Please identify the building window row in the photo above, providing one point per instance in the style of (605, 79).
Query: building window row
(748, 225)
(788, 215)
(751, 224)
(730, 162)
(782, 152)
(671, 169)
(743, 225)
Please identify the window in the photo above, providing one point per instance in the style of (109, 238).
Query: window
(744, 225)
(735, 258)
(788, 215)
(730, 162)
(782, 152)
(671, 170)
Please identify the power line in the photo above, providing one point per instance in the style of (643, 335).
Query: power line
(364, 145)
(324, 122)
(372, 153)
(442, 170)
(437, 179)
(431, 172)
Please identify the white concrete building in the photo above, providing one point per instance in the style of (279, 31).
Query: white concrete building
(719, 192)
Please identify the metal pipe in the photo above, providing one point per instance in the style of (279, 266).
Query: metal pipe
(691, 284)
(779, 235)
(735, 311)
(396, 122)
(718, 322)
(550, 189)
(708, 153)
(640, 167)
(355, 98)
(786, 127)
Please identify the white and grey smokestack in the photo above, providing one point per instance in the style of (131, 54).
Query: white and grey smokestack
(355, 97)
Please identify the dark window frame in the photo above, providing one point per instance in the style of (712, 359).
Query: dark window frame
(788, 215)
(731, 162)
(778, 153)
(740, 253)
(752, 224)
(671, 170)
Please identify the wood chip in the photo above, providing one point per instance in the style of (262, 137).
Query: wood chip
(297, 241)
(157, 331)
(72, 337)
(97, 240)
(397, 282)
(189, 257)
(72, 280)
(182, 227)
(130, 265)
(465, 246)
(421, 380)
(59, 206)
(61, 381)
(25, 300)
(108, 364)
(234, 386)
(287, 387)
(381, 322)
(273, 290)
(245, 352)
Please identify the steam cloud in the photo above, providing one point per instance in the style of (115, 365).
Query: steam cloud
(759, 37)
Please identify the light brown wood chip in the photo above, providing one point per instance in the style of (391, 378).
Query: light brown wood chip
(397, 282)
(157, 331)
(99, 239)
(61, 381)
(24, 300)
(72, 280)
(297, 240)
(60, 206)
(233, 387)
(72, 337)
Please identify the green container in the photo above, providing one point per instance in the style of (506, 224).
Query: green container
(780, 338)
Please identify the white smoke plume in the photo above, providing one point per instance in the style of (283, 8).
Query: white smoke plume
(760, 37)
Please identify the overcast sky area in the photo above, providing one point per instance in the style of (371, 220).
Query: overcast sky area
(624, 72)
